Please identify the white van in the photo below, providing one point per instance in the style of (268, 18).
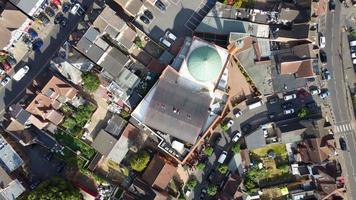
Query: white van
(353, 43)
(21, 73)
(222, 157)
(255, 105)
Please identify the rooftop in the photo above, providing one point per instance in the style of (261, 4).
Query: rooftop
(255, 140)
(115, 125)
(9, 159)
(104, 142)
(299, 68)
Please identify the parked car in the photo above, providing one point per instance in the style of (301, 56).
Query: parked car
(323, 57)
(246, 128)
(64, 22)
(211, 175)
(238, 113)
(21, 73)
(353, 49)
(353, 55)
(37, 44)
(229, 123)
(311, 105)
(324, 94)
(203, 193)
(2, 72)
(236, 136)
(144, 19)
(171, 36)
(222, 157)
(148, 14)
(326, 75)
(273, 100)
(289, 97)
(332, 5)
(58, 18)
(287, 105)
(265, 132)
(66, 7)
(165, 42)
(343, 145)
(217, 139)
(49, 11)
(5, 81)
(160, 5)
(43, 18)
(32, 33)
(322, 42)
(5, 66)
(289, 111)
(315, 91)
(11, 60)
(34, 182)
(353, 43)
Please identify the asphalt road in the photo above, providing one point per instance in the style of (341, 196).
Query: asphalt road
(338, 99)
(38, 61)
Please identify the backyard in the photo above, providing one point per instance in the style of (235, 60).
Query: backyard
(76, 118)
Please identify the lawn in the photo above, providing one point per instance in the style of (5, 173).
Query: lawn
(75, 144)
(279, 150)
(72, 159)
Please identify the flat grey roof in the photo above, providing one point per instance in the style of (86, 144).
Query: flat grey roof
(115, 125)
(114, 62)
(255, 140)
(9, 158)
(104, 142)
(25, 5)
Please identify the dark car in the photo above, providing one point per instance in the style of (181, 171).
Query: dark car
(323, 57)
(43, 18)
(217, 139)
(332, 5)
(343, 145)
(311, 105)
(5, 66)
(34, 182)
(11, 60)
(32, 33)
(353, 49)
(287, 105)
(148, 14)
(49, 11)
(211, 176)
(326, 75)
(37, 44)
(144, 19)
(273, 100)
(246, 128)
(59, 17)
(66, 7)
(160, 5)
(271, 116)
(64, 22)
(60, 167)
(49, 156)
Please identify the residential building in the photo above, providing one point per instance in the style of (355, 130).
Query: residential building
(9, 160)
(256, 139)
(140, 190)
(10, 189)
(317, 150)
(131, 7)
(29, 7)
(159, 172)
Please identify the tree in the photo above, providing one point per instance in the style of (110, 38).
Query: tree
(91, 81)
(201, 166)
(249, 184)
(212, 190)
(235, 148)
(222, 169)
(55, 188)
(69, 123)
(83, 114)
(192, 183)
(303, 113)
(208, 151)
(139, 161)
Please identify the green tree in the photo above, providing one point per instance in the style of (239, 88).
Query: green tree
(138, 42)
(139, 161)
(249, 184)
(303, 113)
(55, 188)
(83, 114)
(192, 183)
(208, 151)
(91, 81)
(212, 190)
(235, 148)
(222, 169)
(224, 126)
(69, 123)
(201, 166)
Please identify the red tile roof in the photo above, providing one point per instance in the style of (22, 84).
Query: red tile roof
(59, 88)
(301, 68)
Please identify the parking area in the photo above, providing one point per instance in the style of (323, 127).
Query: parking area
(180, 16)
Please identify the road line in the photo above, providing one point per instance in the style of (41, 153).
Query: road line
(337, 129)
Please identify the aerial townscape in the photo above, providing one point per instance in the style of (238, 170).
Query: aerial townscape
(177, 99)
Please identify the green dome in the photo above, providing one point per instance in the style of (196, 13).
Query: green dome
(204, 63)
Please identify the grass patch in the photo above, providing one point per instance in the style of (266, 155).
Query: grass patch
(75, 144)
(279, 150)
(72, 159)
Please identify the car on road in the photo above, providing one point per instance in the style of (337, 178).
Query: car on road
(332, 5)
(144, 19)
(289, 97)
(222, 157)
(324, 94)
(236, 136)
(148, 14)
(77, 9)
(49, 11)
(5, 81)
(323, 57)
(326, 75)
(322, 42)
(289, 111)
(160, 5)
(315, 91)
(238, 113)
(343, 145)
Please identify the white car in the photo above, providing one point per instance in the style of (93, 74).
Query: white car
(322, 42)
(238, 113)
(353, 55)
(171, 36)
(21, 73)
(289, 111)
(315, 91)
(77, 9)
(236, 136)
(165, 42)
(265, 132)
(2, 72)
(289, 97)
(5, 81)
(353, 43)
(354, 61)
(230, 123)
(325, 94)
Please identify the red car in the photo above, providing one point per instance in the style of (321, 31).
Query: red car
(57, 3)
(6, 66)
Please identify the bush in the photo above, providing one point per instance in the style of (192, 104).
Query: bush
(303, 113)
(235, 148)
(222, 169)
(69, 123)
(192, 183)
(91, 81)
(138, 42)
(139, 161)
(208, 151)
(201, 166)
(212, 190)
